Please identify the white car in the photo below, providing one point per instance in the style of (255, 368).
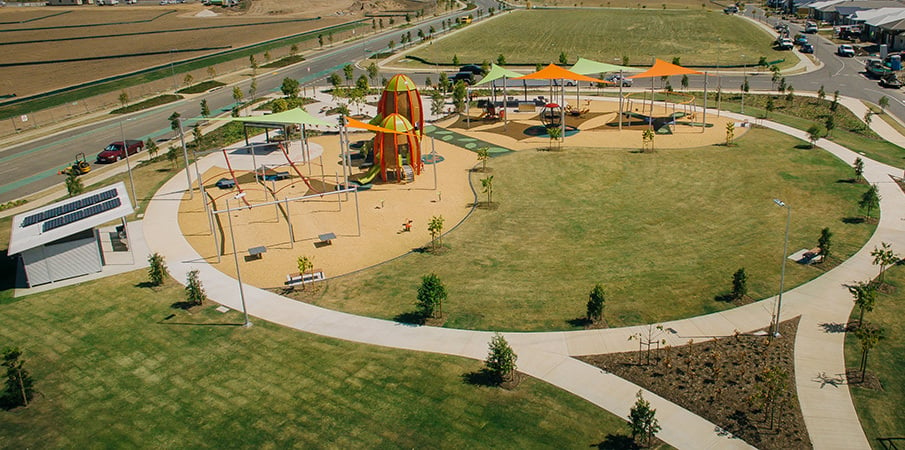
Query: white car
(616, 79)
(846, 50)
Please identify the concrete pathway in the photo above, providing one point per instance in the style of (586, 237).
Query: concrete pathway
(825, 400)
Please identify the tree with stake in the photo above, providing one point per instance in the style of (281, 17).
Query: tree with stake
(335, 80)
(431, 295)
(825, 244)
(858, 166)
(596, 301)
(501, 359)
(188, 80)
(435, 227)
(174, 120)
(455, 60)
(373, 72)
(290, 87)
(211, 72)
(19, 387)
(821, 93)
(237, 96)
(739, 284)
(304, 264)
(643, 421)
(829, 123)
(123, 99)
(487, 186)
(865, 296)
(348, 72)
(790, 96)
(772, 391)
(459, 93)
(152, 148)
(501, 60)
(555, 134)
(198, 137)
(730, 133)
(563, 58)
(884, 257)
(814, 133)
(74, 184)
(157, 269)
(483, 155)
(205, 110)
(870, 199)
(869, 336)
(884, 103)
(769, 107)
(194, 291)
(437, 103)
(647, 140)
(172, 155)
(868, 116)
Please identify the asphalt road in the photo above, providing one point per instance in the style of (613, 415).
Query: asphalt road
(32, 166)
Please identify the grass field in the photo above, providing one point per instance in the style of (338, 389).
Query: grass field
(881, 412)
(606, 35)
(662, 233)
(112, 370)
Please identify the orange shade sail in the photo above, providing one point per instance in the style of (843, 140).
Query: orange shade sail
(554, 72)
(664, 69)
(353, 123)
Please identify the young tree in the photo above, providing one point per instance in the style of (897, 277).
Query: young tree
(834, 105)
(884, 103)
(814, 133)
(123, 99)
(739, 284)
(19, 387)
(304, 264)
(858, 167)
(868, 116)
(684, 82)
(790, 96)
(501, 359)
(279, 105)
(870, 199)
(252, 62)
(188, 79)
(172, 155)
(487, 188)
(253, 89)
(643, 421)
(555, 134)
(769, 106)
(174, 120)
(772, 391)
(829, 124)
(730, 133)
(563, 58)
(483, 154)
(267, 56)
(647, 140)
(869, 336)
(205, 110)
(501, 60)
(443, 82)
(290, 87)
(74, 184)
(157, 269)
(884, 257)
(194, 291)
(152, 148)
(595, 304)
(821, 93)
(362, 83)
(431, 295)
(198, 137)
(825, 243)
(335, 80)
(455, 60)
(348, 72)
(459, 94)
(437, 103)
(211, 72)
(435, 227)
(237, 95)
(373, 72)
(320, 40)
(865, 297)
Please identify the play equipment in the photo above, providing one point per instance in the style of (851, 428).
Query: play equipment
(578, 112)
(296, 169)
(401, 96)
(551, 115)
(232, 174)
(79, 167)
(398, 152)
(369, 176)
(490, 112)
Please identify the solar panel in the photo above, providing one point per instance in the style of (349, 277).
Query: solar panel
(81, 214)
(68, 208)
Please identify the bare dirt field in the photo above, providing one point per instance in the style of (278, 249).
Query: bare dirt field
(84, 32)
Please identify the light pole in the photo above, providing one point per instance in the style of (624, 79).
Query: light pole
(185, 155)
(122, 134)
(782, 273)
(232, 237)
(745, 78)
(173, 70)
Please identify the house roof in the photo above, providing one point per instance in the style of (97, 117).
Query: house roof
(49, 223)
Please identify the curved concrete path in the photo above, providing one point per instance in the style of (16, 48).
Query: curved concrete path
(827, 407)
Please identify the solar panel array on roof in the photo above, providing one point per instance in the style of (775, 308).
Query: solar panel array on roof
(80, 214)
(68, 208)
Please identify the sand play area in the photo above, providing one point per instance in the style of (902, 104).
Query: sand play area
(369, 225)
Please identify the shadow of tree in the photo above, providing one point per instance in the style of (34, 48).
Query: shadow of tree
(410, 318)
(853, 220)
(849, 181)
(834, 327)
(145, 285)
(482, 377)
(617, 442)
(579, 322)
(182, 305)
(725, 297)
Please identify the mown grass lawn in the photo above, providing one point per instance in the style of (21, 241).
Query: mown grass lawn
(697, 37)
(881, 412)
(113, 370)
(663, 233)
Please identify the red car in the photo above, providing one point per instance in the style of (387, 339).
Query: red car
(114, 152)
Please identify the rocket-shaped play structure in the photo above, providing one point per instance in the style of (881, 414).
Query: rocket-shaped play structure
(399, 110)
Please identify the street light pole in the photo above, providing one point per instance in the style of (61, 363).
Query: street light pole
(185, 155)
(232, 237)
(782, 276)
(122, 134)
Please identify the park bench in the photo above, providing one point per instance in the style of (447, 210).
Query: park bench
(257, 252)
(326, 238)
(308, 277)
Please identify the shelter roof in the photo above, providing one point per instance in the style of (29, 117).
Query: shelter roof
(587, 66)
(877, 17)
(497, 72)
(354, 123)
(293, 116)
(401, 83)
(63, 219)
(664, 69)
(554, 72)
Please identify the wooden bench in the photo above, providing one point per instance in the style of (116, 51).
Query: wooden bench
(309, 277)
(257, 252)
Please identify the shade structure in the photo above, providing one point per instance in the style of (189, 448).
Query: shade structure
(401, 96)
(587, 66)
(497, 72)
(353, 123)
(664, 69)
(293, 116)
(397, 149)
(554, 72)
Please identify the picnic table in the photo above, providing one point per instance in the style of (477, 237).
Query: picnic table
(327, 238)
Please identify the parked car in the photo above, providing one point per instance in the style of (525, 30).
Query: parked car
(115, 151)
(616, 79)
(732, 9)
(800, 39)
(807, 48)
(846, 50)
(465, 77)
(785, 44)
(475, 69)
(810, 28)
(890, 80)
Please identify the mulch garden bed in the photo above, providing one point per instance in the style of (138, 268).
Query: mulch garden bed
(723, 381)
